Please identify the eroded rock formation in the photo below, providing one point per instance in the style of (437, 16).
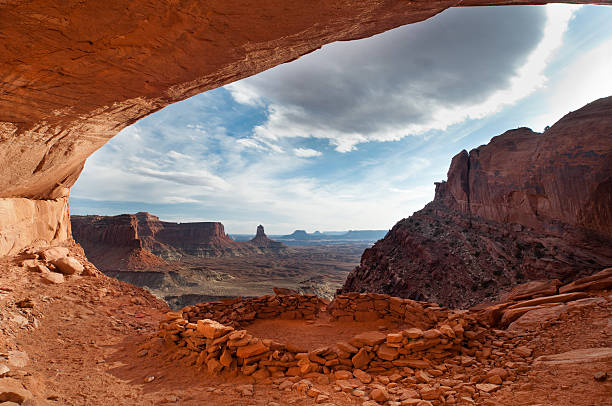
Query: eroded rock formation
(262, 241)
(525, 206)
(142, 241)
(73, 74)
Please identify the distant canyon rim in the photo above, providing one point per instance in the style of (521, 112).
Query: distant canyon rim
(75, 74)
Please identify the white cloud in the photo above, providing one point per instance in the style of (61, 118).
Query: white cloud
(306, 152)
(463, 64)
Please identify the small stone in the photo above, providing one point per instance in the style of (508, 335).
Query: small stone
(322, 398)
(343, 375)
(600, 376)
(170, 399)
(18, 359)
(149, 378)
(395, 338)
(387, 353)
(212, 329)
(413, 333)
(358, 393)
(251, 350)
(246, 390)
(501, 372)
(523, 351)
(4, 369)
(285, 385)
(51, 278)
(361, 359)
(487, 387)
(369, 338)
(323, 380)
(431, 334)
(363, 376)
(495, 379)
(379, 395)
(25, 304)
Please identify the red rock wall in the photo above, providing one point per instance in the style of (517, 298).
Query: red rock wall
(543, 181)
(525, 206)
(119, 231)
(26, 221)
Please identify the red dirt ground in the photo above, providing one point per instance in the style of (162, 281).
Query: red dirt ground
(83, 338)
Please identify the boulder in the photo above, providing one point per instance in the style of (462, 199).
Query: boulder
(11, 390)
(68, 265)
(533, 319)
(52, 278)
(55, 253)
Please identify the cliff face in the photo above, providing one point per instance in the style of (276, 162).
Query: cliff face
(142, 241)
(525, 206)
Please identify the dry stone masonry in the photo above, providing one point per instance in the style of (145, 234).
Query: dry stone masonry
(436, 334)
(435, 356)
(235, 312)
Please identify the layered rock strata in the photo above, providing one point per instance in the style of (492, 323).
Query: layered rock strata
(142, 241)
(525, 206)
(74, 74)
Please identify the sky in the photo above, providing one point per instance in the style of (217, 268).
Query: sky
(354, 135)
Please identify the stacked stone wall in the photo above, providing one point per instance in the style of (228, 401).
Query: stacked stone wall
(238, 312)
(436, 334)
(373, 306)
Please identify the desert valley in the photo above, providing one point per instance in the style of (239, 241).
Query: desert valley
(496, 292)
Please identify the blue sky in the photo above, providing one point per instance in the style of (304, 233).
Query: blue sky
(354, 135)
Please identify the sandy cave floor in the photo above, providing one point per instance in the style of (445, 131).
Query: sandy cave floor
(82, 339)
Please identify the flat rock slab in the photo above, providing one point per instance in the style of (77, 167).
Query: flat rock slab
(11, 390)
(581, 356)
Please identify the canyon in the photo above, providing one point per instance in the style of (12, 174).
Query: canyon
(526, 206)
(187, 263)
